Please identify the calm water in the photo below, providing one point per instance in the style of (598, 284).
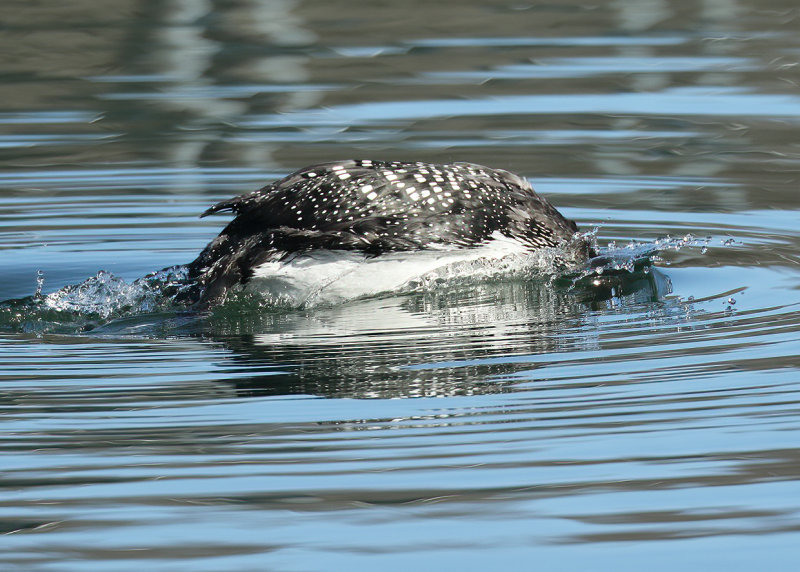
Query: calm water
(504, 424)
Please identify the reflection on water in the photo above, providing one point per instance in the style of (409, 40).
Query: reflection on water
(374, 348)
(472, 427)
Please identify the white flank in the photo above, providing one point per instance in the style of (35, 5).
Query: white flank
(333, 276)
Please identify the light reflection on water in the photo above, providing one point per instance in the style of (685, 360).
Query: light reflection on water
(677, 102)
(479, 426)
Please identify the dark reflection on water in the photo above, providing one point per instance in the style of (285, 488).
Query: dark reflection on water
(649, 426)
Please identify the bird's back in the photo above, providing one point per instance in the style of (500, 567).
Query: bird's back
(375, 207)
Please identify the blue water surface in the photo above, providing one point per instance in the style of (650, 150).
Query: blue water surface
(648, 422)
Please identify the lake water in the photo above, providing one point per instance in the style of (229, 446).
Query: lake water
(505, 424)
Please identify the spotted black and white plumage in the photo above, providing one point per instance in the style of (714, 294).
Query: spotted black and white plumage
(374, 207)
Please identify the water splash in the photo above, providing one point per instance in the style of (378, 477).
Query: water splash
(39, 285)
(97, 300)
(106, 295)
(636, 256)
(618, 270)
(105, 298)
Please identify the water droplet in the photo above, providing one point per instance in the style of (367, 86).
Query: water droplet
(39, 285)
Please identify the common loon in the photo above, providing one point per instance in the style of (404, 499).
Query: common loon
(375, 208)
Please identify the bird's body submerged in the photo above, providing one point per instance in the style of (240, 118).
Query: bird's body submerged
(372, 209)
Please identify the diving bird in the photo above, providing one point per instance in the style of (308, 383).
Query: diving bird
(375, 208)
